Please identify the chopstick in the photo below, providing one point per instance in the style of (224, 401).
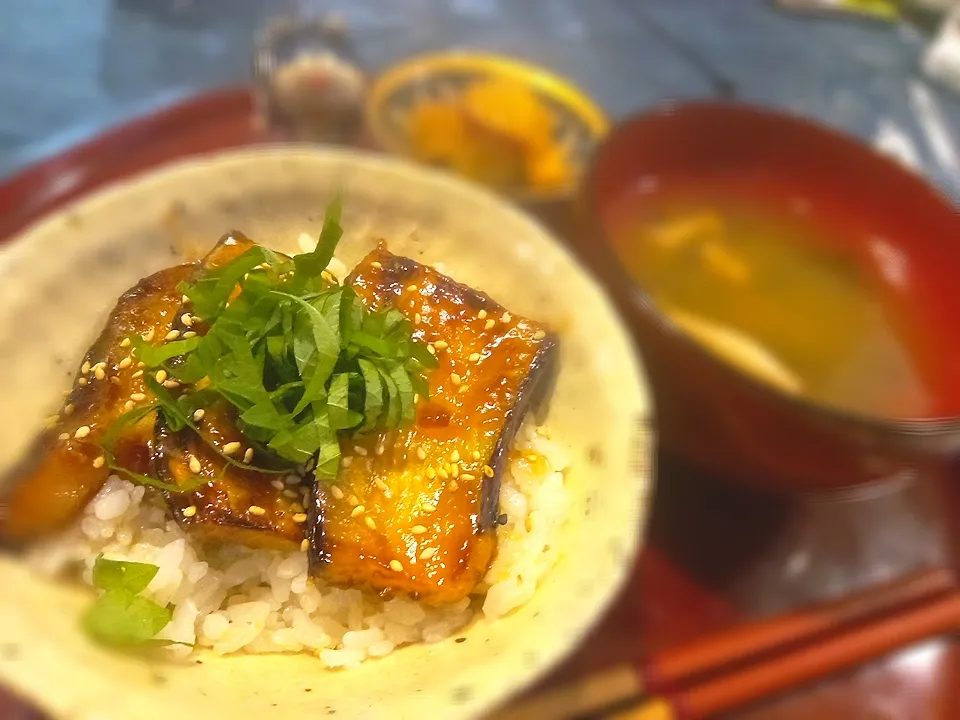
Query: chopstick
(803, 665)
(728, 651)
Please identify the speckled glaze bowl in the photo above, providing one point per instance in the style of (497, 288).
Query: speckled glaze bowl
(59, 280)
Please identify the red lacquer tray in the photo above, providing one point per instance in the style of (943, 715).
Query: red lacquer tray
(703, 532)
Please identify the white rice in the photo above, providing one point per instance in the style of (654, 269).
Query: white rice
(231, 599)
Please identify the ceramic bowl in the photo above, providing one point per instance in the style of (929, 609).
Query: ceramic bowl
(61, 277)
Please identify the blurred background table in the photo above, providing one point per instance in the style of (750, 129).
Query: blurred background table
(69, 70)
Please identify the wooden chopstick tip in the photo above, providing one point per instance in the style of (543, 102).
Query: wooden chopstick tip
(654, 709)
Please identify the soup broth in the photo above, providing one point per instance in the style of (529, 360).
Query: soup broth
(781, 296)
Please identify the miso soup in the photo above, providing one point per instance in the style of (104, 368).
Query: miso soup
(773, 292)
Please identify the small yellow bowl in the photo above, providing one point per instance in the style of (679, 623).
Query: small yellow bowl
(570, 122)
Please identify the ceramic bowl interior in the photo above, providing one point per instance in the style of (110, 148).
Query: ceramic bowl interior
(61, 277)
(578, 122)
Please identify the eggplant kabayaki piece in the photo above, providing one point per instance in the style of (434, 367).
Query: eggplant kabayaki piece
(413, 510)
(65, 467)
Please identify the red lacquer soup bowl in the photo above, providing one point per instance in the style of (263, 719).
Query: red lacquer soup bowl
(879, 213)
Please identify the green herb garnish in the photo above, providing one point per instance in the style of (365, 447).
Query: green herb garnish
(121, 617)
(297, 355)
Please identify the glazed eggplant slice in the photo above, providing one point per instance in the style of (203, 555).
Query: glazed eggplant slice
(65, 467)
(413, 510)
(233, 504)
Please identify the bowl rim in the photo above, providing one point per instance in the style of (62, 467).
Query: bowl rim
(621, 283)
(412, 69)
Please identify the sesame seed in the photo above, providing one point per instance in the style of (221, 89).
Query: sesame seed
(453, 485)
(369, 522)
(148, 335)
(171, 384)
(416, 318)
(488, 471)
(64, 436)
(416, 398)
(476, 454)
(474, 357)
(411, 288)
(539, 335)
(352, 500)
(379, 449)
(489, 324)
(427, 553)
(184, 299)
(428, 507)
(231, 447)
(377, 264)
(421, 453)
(358, 511)
(81, 381)
(278, 484)
(482, 314)
(82, 432)
(467, 477)
(300, 518)
(431, 349)
(138, 397)
(440, 344)
(68, 409)
(99, 373)
(198, 414)
(304, 546)
(418, 529)
(85, 368)
(194, 465)
(172, 335)
(256, 510)
(99, 461)
(248, 456)
(128, 405)
(455, 471)
(125, 343)
(443, 473)
(455, 379)
(531, 457)
(189, 334)
(336, 492)
(125, 363)
(160, 376)
(455, 456)
(360, 450)
(138, 373)
(396, 566)
(381, 484)
(431, 473)
(346, 461)
(141, 365)
(186, 319)
(288, 493)
(190, 511)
